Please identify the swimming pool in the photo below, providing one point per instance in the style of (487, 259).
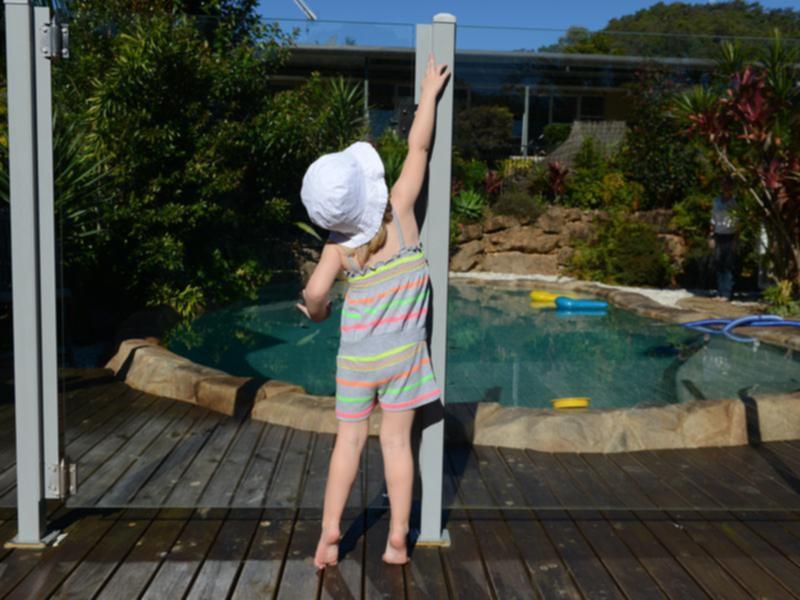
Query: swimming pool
(501, 349)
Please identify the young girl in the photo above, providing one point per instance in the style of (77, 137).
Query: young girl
(383, 354)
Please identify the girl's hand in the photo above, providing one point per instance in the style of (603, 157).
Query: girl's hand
(303, 309)
(435, 77)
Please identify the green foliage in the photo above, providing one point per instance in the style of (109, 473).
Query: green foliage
(708, 21)
(782, 298)
(624, 252)
(393, 150)
(484, 132)
(589, 189)
(176, 159)
(691, 216)
(594, 182)
(554, 134)
(655, 152)
(468, 205)
(518, 203)
(470, 173)
(590, 156)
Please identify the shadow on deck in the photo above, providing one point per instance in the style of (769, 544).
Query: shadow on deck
(175, 499)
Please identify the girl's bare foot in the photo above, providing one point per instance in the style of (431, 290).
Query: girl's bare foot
(396, 552)
(327, 548)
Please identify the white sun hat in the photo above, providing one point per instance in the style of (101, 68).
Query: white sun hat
(345, 193)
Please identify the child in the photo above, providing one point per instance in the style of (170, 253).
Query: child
(383, 354)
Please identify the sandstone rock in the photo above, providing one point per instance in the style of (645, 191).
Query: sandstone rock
(498, 222)
(692, 424)
(779, 417)
(573, 214)
(275, 387)
(226, 394)
(470, 231)
(154, 369)
(305, 412)
(467, 256)
(523, 239)
(574, 231)
(520, 263)
(552, 220)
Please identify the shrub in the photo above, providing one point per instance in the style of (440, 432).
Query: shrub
(555, 134)
(691, 216)
(469, 172)
(518, 203)
(782, 298)
(589, 189)
(484, 132)
(393, 150)
(468, 205)
(624, 252)
(590, 156)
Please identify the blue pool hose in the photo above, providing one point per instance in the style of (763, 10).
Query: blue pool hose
(726, 326)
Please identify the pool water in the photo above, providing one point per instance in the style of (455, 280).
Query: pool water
(502, 349)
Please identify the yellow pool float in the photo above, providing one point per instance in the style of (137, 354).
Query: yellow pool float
(543, 296)
(577, 402)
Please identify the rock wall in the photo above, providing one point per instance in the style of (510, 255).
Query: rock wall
(507, 244)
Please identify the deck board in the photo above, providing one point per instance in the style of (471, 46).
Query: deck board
(201, 505)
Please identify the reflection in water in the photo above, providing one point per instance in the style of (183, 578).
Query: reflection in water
(501, 349)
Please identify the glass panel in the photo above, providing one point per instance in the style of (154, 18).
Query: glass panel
(177, 201)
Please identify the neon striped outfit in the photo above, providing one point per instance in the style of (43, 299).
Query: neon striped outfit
(383, 353)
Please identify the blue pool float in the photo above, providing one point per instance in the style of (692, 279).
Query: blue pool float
(564, 303)
(726, 326)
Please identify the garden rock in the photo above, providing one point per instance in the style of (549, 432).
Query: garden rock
(523, 239)
(552, 221)
(153, 369)
(471, 231)
(520, 263)
(575, 231)
(498, 222)
(466, 256)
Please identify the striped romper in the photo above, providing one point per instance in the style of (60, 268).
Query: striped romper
(383, 352)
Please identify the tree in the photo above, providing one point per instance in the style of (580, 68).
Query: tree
(484, 132)
(683, 29)
(749, 124)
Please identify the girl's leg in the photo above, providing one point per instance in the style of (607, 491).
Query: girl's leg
(350, 439)
(398, 467)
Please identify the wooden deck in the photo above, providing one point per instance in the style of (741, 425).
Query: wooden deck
(175, 501)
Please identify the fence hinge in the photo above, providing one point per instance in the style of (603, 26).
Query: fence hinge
(62, 477)
(55, 39)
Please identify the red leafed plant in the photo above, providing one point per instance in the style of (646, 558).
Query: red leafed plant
(557, 179)
(750, 125)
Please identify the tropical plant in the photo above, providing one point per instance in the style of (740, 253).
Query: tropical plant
(393, 150)
(749, 127)
(469, 205)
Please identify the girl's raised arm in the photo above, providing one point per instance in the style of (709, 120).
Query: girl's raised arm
(408, 185)
(317, 307)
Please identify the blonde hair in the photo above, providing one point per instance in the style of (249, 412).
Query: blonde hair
(362, 253)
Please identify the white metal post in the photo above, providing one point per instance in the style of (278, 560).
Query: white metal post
(526, 120)
(20, 44)
(438, 38)
(47, 263)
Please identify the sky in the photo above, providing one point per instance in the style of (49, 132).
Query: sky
(544, 14)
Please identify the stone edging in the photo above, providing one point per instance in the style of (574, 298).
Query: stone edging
(151, 368)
